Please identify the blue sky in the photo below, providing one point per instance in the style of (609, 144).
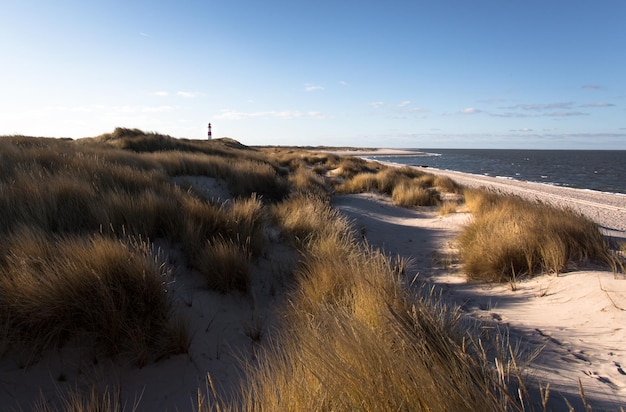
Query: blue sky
(422, 74)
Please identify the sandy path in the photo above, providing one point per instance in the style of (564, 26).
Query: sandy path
(579, 319)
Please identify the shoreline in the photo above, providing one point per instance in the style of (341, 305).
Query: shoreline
(606, 209)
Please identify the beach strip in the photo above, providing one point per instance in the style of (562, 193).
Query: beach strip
(606, 209)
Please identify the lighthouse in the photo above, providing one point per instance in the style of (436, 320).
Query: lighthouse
(209, 133)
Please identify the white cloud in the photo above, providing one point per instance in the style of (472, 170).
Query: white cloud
(188, 95)
(404, 103)
(316, 115)
(343, 83)
(471, 110)
(312, 87)
(161, 93)
(283, 115)
(377, 104)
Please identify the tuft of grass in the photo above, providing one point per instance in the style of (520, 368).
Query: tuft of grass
(407, 186)
(95, 400)
(225, 265)
(105, 291)
(408, 194)
(307, 180)
(245, 220)
(510, 236)
(302, 217)
(448, 207)
(447, 185)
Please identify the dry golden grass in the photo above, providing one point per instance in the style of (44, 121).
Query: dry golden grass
(448, 207)
(100, 290)
(511, 236)
(304, 217)
(76, 259)
(407, 186)
(356, 339)
(96, 400)
(408, 194)
(98, 197)
(306, 180)
(447, 185)
(225, 264)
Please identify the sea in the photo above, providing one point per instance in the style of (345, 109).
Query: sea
(598, 170)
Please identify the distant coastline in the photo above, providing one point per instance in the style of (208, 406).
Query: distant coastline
(597, 170)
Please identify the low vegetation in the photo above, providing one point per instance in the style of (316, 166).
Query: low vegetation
(357, 338)
(407, 186)
(79, 221)
(510, 237)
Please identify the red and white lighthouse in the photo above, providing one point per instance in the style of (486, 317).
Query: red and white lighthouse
(209, 134)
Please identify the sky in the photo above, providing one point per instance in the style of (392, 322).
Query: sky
(548, 74)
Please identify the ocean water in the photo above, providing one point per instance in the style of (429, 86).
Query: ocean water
(600, 170)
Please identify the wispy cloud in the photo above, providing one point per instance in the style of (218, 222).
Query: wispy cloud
(189, 95)
(540, 106)
(313, 87)
(377, 104)
(404, 103)
(161, 93)
(566, 114)
(471, 110)
(597, 104)
(144, 34)
(343, 83)
(283, 115)
(525, 115)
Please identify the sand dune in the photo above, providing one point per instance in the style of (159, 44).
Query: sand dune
(577, 319)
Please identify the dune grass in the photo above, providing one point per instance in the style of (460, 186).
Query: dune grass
(77, 219)
(356, 338)
(109, 292)
(77, 222)
(407, 186)
(407, 195)
(511, 237)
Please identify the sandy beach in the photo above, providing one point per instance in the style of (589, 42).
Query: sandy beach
(606, 209)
